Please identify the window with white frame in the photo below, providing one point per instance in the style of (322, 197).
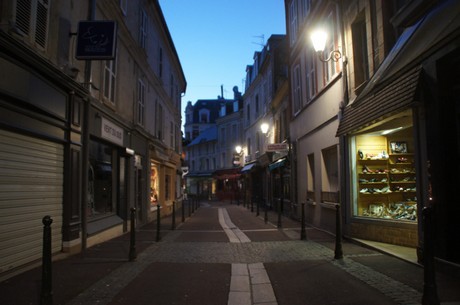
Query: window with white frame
(311, 77)
(306, 7)
(109, 80)
(124, 6)
(360, 52)
(159, 121)
(140, 102)
(297, 89)
(32, 20)
(331, 67)
(171, 134)
(143, 26)
(293, 22)
(160, 62)
(256, 102)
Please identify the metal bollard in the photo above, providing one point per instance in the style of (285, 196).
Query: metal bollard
(46, 294)
(158, 223)
(257, 206)
(189, 208)
(173, 220)
(338, 233)
(183, 211)
(303, 233)
(266, 213)
(132, 245)
(279, 225)
(430, 294)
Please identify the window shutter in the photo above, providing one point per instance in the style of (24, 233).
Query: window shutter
(23, 11)
(41, 28)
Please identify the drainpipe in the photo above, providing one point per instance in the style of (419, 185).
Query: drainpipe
(85, 141)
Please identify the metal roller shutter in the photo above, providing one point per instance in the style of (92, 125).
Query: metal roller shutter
(31, 186)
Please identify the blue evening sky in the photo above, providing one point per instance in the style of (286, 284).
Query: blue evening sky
(216, 40)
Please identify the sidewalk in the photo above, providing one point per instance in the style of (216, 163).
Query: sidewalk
(76, 274)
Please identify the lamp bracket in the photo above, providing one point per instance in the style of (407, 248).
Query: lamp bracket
(335, 55)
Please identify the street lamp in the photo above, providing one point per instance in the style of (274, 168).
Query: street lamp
(319, 38)
(238, 149)
(264, 128)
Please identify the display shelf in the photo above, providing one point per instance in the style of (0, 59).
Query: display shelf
(386, 186)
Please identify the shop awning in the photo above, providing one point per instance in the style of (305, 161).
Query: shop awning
(397, 96)
(394, 85)
(230, 173)
(276, 164)
(248, 167)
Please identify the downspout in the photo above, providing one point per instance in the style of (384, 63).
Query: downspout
(85, 140)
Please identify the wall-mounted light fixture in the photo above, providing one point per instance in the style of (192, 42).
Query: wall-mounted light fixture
(319, 38)
(264, 128)
(238, 149)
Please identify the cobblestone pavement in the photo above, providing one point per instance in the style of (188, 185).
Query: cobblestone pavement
(170, 250)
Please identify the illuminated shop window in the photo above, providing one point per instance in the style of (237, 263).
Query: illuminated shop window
(384, 175)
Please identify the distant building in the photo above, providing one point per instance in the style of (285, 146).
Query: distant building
(213, 128)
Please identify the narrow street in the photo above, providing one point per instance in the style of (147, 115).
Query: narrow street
(224, 254)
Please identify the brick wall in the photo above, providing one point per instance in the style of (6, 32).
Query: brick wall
(402, 236)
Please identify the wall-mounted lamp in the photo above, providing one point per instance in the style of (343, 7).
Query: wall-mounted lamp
(238, 149)
(264, 128)
(319, 38)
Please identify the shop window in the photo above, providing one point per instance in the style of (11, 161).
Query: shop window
(154, 184)
(330, 176)
(100, 181)
(384, 175)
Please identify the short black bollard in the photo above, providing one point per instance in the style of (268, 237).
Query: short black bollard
(173, 220)
(279, 225)
(189, 208)
(338, 233)
(257, 207)
(430, 294)
(303, 233)
(183, 210)
(46, 294)
(266, 213)
(158, 223)
(132, 245)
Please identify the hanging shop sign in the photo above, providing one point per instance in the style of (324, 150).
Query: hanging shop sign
(96, 40)
(277, 147)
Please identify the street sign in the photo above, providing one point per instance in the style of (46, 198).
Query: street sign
(278, 147)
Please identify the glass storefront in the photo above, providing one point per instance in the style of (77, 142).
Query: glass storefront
(383, 171)
(100, 180)
(154, 184)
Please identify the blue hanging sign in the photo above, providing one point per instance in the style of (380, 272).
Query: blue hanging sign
(96, 40)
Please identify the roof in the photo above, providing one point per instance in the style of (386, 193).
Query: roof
(207, 135)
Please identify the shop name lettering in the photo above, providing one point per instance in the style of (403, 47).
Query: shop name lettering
(112, 131)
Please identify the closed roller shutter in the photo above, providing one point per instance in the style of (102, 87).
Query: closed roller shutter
(31, 186)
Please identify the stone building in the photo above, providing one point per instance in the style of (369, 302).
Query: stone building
(87, 132)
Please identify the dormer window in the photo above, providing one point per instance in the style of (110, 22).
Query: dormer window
(204, 116)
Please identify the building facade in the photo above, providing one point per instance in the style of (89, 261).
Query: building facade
(105, 133)
(317, 93)
(265, 102)
(378, 118)
(214, 129)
